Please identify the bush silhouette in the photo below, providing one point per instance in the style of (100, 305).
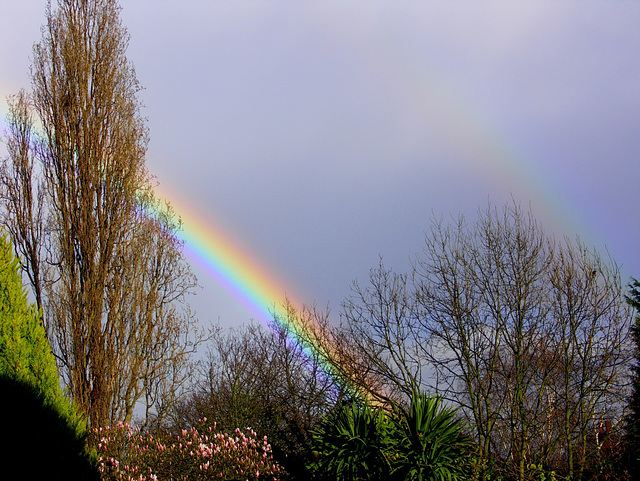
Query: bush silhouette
(38, 441)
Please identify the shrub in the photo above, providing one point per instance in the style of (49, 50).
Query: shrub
(429, 442)
(424, 442)
(25, 353)
(38, 441)
(352, 444)
(126, 453)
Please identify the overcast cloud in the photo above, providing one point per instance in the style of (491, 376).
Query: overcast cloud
(324, 134)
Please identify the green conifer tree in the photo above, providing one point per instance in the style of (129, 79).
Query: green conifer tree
(33, 409)
(25, 353)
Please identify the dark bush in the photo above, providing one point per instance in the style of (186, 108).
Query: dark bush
(38, 442)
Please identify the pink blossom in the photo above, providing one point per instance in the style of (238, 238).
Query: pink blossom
(223, 453)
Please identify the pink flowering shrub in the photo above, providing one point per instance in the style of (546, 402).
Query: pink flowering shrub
(125, 453)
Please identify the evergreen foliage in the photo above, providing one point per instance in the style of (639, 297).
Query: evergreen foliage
(36, 413)
(352, 444)
(25, 354)
(24, 349)
(632, 419)
(430, 442)
(424, 442)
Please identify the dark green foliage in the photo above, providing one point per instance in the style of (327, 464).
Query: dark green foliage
(352, 444)
(424, 442)
(632, 419)
(38, 442)
(430, 443)
(289, 440)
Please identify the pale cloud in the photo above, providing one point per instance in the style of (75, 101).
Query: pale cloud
(326, 133)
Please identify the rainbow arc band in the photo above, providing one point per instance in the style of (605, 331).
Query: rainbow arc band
(241, 275)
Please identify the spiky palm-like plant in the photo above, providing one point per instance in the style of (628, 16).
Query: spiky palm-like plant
(352, 444)
(425, 442)
(430, 442)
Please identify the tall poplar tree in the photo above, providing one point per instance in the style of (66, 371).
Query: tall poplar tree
(100, 252)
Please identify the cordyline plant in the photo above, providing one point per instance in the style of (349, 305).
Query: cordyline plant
(425, 442)
(429, 442)
(352, 444)
(126, 453)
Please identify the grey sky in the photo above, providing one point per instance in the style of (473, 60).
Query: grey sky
(324, 134)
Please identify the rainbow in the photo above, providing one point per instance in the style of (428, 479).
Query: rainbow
(420, 86)
(239, 273)
(244, 277)
(226, 261)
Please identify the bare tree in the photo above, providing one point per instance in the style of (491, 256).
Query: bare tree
(379, 323)
(483, 294)
(22, 193)
(527, 336)
(346, 357)
(591, 339)
(263, 378)
(100, 251)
